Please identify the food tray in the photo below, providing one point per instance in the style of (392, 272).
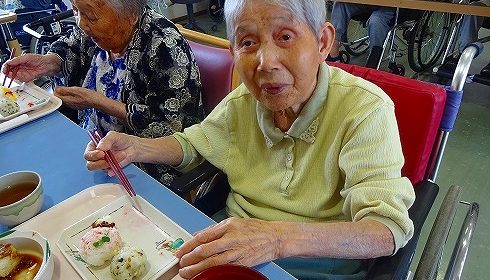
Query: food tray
(28, 98)
(52, 105)
(52, 222)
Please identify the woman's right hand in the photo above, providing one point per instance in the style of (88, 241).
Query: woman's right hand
(121, 145)
(32, 66)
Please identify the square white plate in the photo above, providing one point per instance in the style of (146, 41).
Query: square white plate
(149, 230)
(28, 98)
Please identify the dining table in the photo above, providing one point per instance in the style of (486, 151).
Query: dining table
(53, 146)
(428, 5)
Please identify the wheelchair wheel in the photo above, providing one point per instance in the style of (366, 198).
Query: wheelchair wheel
(39, 47)
(215, 10)
(357, 40)
(428, 39)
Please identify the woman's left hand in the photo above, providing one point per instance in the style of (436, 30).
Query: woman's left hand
(78, 98)
(238, 241)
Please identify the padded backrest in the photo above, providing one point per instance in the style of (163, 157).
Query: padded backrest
(216, 68)
(418, 108)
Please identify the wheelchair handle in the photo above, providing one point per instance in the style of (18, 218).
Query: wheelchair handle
(31, 28)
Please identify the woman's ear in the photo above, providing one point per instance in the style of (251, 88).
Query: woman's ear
(327, 38)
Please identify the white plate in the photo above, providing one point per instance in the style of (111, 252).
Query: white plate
(28, 98)
(151, 231)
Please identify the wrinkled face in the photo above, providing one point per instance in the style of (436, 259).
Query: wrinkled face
(103, 24)
(277, 56)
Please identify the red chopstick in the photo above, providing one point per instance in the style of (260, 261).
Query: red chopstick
(14, 73)
(109, 157)
(12, 53)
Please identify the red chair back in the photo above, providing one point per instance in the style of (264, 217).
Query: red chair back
(216, 68)
(418, 108)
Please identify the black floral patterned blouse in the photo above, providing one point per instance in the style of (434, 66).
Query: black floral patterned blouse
(161, 89)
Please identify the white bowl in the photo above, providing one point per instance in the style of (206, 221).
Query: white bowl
(33, 243)
(24, 209)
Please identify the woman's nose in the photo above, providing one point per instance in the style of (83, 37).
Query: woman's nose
(269, 57)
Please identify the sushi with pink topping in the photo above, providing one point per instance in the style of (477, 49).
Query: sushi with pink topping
(100, 244)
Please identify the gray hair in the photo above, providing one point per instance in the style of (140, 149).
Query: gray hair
(123, 6)
(311, 12)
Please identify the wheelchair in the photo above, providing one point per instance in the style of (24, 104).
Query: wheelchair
(48, 29)
(424, 34)
(423, 136)
(428, 38)
(452, 47)
(214, 10)
(28, 43)
(356, 42)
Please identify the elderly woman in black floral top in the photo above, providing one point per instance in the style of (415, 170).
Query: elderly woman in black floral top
(126, 69)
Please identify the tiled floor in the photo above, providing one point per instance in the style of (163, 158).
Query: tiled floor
(466, 163)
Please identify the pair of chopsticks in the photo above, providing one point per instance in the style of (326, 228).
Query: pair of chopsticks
(13, 71)
(95, 136)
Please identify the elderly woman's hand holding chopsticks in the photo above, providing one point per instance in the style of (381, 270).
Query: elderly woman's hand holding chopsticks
(128, 148)
(121, 146)
(32, 66)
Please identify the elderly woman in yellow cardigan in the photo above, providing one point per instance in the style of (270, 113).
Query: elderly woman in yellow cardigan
(312, 153)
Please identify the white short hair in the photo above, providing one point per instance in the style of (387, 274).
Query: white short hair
(311, 12)
(128, 6)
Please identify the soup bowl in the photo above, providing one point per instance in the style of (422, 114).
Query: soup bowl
(21, 197)
(32, 246)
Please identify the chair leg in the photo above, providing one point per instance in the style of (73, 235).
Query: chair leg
(192, 24)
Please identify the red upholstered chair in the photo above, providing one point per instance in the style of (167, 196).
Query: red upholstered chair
(216, 69)
(215, 66)
(419, 108)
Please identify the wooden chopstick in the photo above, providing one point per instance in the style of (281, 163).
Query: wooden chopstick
(109, 157)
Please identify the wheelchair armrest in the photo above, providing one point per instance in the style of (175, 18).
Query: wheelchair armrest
(397, 266)
(430, 259)
(194, 178)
